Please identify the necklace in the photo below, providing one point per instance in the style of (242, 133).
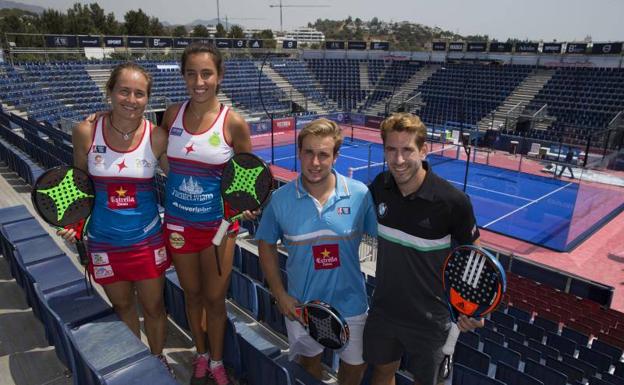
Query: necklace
(124, 135)
(209, 111)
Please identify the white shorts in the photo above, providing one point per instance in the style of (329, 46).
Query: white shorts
(301, 343)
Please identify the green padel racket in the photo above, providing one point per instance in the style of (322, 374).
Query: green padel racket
(246, 184)
(64, 196)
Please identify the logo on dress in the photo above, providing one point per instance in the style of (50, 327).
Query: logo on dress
(214, 140)
(190, 186)
(99, 161)
(99, 149)
(160, 255)
(103, 271)
(143, 163)
(382, 210)
(121, 197)
(99, 258)
(326, 256)
(176, 240)
(189, 148)
(176, 131)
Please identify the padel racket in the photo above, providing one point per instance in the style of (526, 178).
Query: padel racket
(324, 324)
(64, 196)
(474, 283)
(246, 184)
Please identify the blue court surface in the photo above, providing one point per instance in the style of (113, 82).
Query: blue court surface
(532, 208)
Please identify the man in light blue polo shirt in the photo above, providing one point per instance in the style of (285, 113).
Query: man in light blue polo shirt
(320, 218)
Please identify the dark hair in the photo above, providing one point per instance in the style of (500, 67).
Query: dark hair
(210, 49)
(112, 80)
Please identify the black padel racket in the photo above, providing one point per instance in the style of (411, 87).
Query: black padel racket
(474, 283)
(324, 324)
(246, 184)
(64, 196)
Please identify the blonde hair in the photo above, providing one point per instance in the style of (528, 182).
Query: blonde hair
(404, 122)
(321, 127)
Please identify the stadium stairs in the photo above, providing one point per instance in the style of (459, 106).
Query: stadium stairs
(520, 97)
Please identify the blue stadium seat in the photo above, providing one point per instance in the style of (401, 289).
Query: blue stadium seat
(470, 338)
(546, 324)
(464, 375)
(601, 361)
(243, 290)
(587, 368)
(472, 358)
(518, 314)
(526, 352)
(261, 369)
(563, 344)
(573, 373)
(50, 274)
(498, 353)
(503, 319)
(174, 299)
(67, 307)
(33, 251)
(14, 232)
(545, 374)
(580, 338)
(530, 331)
(297, 373)
(96, 354)
(511, 334)
(511, 376)
(268, 311)
(491, 334)
(605, 348)
(546, 351)
(147, 370)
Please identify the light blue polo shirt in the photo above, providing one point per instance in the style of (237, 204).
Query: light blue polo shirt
(323, 261)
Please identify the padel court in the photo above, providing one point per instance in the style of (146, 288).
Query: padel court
(548, 212)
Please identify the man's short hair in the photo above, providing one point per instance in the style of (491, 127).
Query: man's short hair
(404, 122)
(321, 127)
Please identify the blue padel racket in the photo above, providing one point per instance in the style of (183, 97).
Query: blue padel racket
(324, 324)
(64, 197)
(474, 283)
(246, 184)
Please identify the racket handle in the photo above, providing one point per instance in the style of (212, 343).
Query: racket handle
(218, 237)
(82, 252)
(449, 346)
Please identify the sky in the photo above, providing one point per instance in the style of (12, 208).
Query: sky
(563, 20)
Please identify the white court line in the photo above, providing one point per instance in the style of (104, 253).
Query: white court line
(492, 191)
(528, 204)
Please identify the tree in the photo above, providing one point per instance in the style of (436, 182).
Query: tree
(136, 23)
(236, 32)
(80, 21)
(179, 31)
(111, 25)
(53, 22)
(220, 31)
(155, 26)
(200, 31)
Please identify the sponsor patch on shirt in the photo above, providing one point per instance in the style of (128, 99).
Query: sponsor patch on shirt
(99, 258)
(122, 196)
(343, 210)
(99, 149)
(176, 131)
(160, 255)
(103, 271)
(326, 256)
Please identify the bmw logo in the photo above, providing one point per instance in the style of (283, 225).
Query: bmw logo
(382, 209)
